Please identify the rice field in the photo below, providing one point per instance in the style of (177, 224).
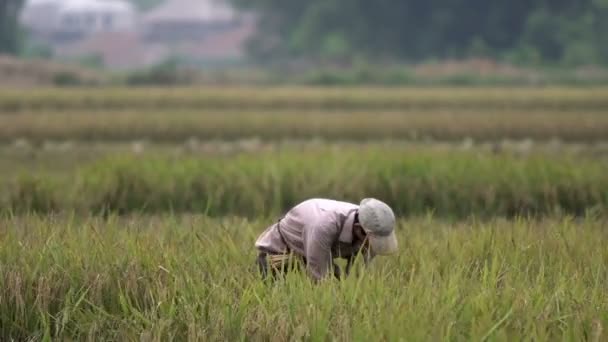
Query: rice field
(192, 278)
(304, 98)
(178, 126)
(362, 114)
(448, 183)
(130, 214)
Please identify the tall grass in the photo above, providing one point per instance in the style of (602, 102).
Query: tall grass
(190, 277)
(175, 125)
(178, 114)
(449, 183)
(267, 98)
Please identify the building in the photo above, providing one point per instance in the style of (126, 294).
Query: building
(196, 32)
(204, 32)
(57, 21)
(40, 16)
(82, 18)
(187, 20)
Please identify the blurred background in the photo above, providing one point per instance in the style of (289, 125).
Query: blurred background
(144, 144)
(456, 107)
(312, 42)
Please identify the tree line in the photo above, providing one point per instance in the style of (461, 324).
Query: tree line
(526, 31)
(567, 32)
(9, 31)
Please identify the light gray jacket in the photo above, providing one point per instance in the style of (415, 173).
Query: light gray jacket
(316, 229)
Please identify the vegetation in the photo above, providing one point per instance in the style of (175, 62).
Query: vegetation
(269, 179)
(166, 125)
(146, 4)
(306, 98)
(190, 277)
(9, 29)
(230, 113)
(34, 69)
(153, 240)
(338, 30)
(35, 72)
(449, 184)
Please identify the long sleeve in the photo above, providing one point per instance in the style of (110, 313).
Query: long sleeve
(319, 237)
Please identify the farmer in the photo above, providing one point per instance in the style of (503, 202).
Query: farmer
(316, 231)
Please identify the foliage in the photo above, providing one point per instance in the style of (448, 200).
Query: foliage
(192, 278)
(249, 99)
(448, 183)
(480, 125)
(10, 34)
(167, 74)
(556, 31)
(274, 114)
(146, 4)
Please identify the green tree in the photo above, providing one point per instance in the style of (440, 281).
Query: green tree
(553, 30)
(600, 27)
(146, 4)
(9, 26)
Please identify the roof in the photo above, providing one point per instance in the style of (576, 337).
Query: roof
(191, 10)
(96, 5)
(42, 2)
(39, 14)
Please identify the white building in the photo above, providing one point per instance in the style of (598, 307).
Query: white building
(92, 16)
(40, 16)
(176, 20)
(112, 32)
(66, 20)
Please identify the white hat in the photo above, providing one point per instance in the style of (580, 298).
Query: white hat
(378, 221)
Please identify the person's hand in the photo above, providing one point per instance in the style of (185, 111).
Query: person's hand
(337, 271)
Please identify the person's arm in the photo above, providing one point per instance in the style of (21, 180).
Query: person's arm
(320, 236)
(366, 255)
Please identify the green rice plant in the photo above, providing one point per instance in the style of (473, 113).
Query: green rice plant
(185, 277)
(233, 113)
(447, 183)
(319, 98)
(178, 125)
(30, 193)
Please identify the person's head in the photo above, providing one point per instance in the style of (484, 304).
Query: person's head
(375, 221)
(358, 231)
